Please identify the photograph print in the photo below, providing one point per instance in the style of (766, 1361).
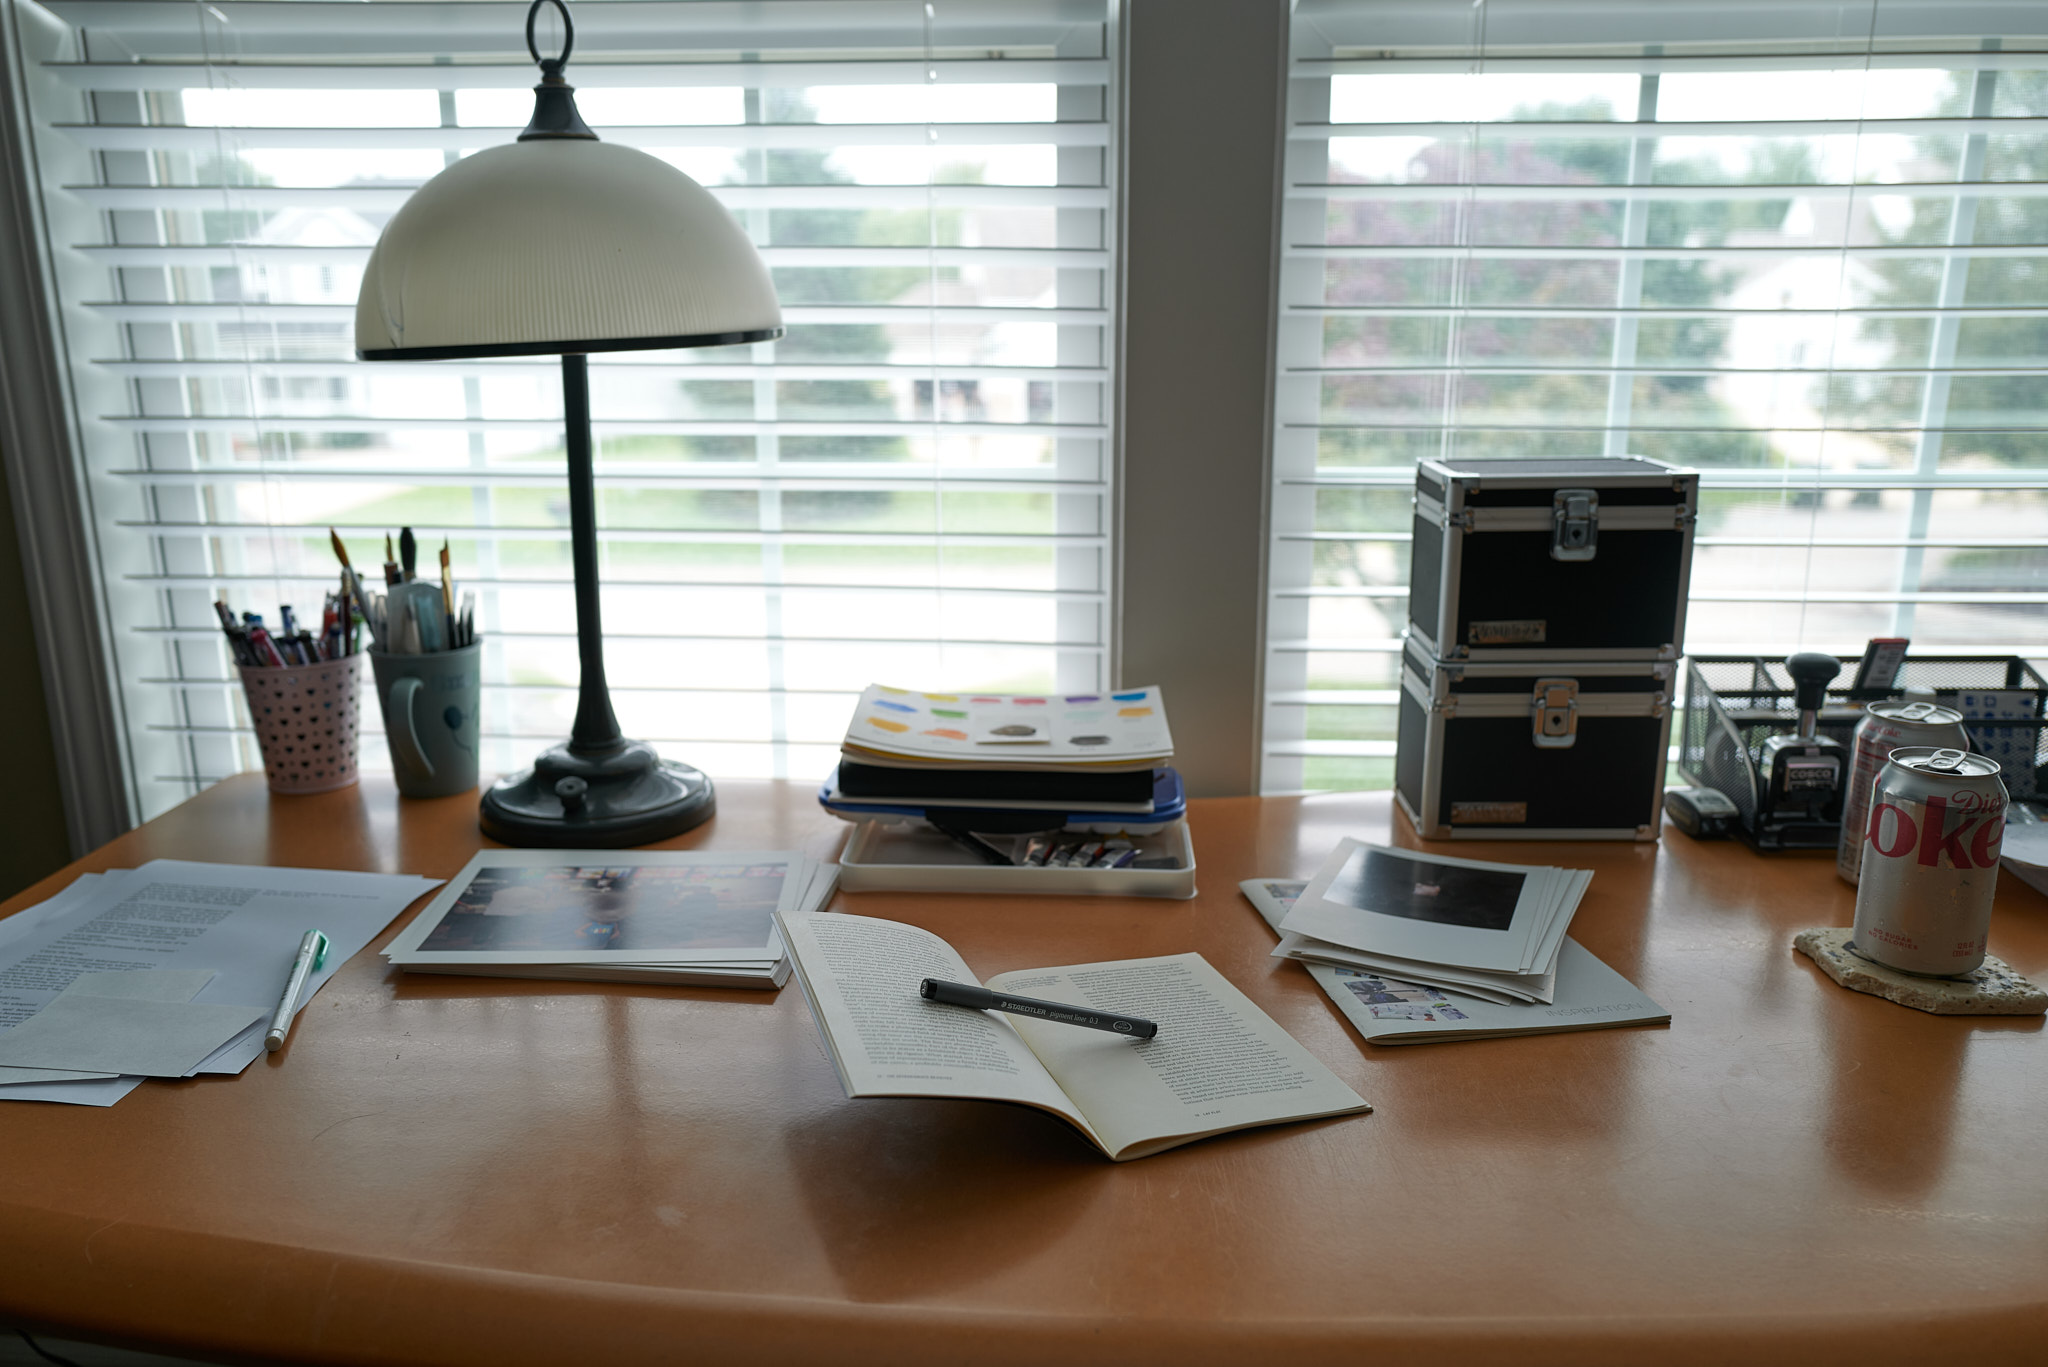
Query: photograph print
(1420, 889)
(648, 911)
(1388, 999)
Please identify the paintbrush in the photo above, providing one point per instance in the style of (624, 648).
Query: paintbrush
(348, 587)
(448, 596)
(392, 574)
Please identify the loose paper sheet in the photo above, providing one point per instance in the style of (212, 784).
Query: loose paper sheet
(156, 985)
(126, 1036)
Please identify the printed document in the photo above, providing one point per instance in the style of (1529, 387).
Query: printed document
(243, 923)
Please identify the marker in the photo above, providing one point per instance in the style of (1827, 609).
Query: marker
(981, 999)
(312, 953)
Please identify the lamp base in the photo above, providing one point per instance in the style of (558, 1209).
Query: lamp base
(628, 796)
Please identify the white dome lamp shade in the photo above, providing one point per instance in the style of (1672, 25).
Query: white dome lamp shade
(560, 244)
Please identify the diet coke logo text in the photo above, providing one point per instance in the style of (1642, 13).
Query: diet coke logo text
(1973, 844)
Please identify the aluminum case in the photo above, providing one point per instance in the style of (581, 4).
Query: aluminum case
(1584, 558)
(1532, 750)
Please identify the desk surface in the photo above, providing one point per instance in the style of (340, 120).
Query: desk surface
(450, 1170)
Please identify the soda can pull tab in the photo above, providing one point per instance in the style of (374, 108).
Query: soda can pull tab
(1946, 761)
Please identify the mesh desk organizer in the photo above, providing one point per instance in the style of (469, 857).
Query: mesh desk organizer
(1734, 702)
(305, 717)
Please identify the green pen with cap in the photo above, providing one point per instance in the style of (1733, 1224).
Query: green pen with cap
(312, 954)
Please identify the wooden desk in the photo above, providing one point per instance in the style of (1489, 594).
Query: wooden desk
(447, 1170)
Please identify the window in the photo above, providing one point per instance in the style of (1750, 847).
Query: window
(1802, 248)
(911, 486)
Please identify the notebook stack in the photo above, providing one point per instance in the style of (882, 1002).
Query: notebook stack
(1492, 931)
(1023, 781)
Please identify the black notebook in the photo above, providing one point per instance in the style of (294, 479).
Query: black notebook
(994, 786)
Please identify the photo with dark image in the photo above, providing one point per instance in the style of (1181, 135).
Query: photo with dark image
(647, 909)
(1423, 890)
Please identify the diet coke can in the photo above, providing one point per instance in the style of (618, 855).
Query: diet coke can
(1887, 726)
(1937, 817)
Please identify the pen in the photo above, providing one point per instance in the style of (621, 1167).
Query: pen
(980, 998)
(312, 953)
(260, 643)
(238, 639)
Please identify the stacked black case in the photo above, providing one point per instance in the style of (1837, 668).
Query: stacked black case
(1546, 617)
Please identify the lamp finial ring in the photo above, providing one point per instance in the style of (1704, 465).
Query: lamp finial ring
(551, 65)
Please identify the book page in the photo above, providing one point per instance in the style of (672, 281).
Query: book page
(861, 976)
(1218, 1063)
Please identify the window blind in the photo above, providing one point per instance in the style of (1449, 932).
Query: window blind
(910, 487)
(1801, 247)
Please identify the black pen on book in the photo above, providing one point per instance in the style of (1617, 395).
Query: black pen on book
(981, 999)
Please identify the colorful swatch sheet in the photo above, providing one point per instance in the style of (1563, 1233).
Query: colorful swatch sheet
(1125, 728)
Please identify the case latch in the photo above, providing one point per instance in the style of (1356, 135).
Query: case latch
(1555, 714)
(1575, 524)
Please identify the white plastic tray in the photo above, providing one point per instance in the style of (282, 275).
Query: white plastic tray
(916, 858)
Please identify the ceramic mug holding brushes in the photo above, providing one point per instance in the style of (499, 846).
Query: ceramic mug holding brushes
(425, 656)
(429, 703)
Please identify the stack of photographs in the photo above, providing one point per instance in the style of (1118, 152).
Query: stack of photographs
(1389, 1010)
(686, 918)
(1492, 931)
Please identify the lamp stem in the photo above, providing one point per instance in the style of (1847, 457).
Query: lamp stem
(596, 729)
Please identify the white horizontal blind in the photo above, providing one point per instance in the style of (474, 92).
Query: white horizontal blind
(1802, 247)
(910, 487)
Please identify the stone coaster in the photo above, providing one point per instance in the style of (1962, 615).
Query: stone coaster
(1993, 990)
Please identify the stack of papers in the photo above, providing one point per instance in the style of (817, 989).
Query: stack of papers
(169, 970)
(1492, 931)
(683, 917)
(1389, 1010)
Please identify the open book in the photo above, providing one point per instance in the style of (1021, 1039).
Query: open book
(1218, 1063)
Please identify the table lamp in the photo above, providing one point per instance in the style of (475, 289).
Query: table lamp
(559, 244)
